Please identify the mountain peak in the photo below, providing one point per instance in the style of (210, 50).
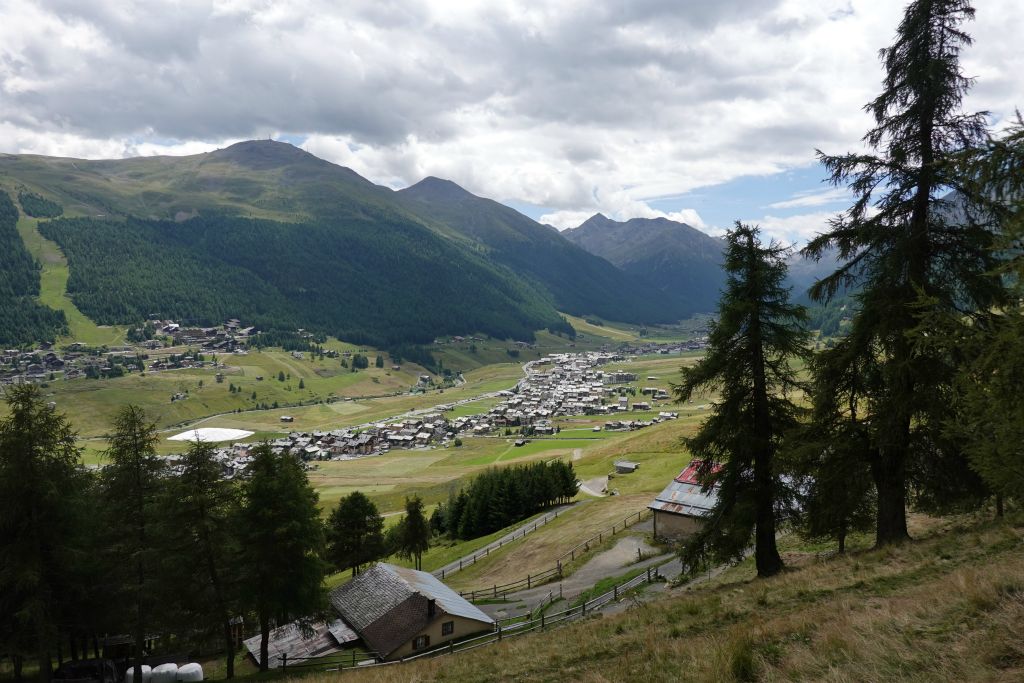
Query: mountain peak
(433, 189)
(265, 154)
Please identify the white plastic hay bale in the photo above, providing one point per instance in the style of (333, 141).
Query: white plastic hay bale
(165, 673)
(190, 673)
(147, 674)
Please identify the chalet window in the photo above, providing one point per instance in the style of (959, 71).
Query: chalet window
(447, 628)
(420, 642)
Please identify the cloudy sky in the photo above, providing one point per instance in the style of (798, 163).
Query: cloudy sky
(705, 112)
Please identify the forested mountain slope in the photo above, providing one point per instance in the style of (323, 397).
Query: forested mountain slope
(331, 227)
(580, 282)
(384, 281)
(680, 260)
(22, 318)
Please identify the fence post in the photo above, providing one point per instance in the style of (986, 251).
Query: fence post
(541, 621)
(648, 575)
(353, 658)
(442, 574)
(499, 631)
(527, 580)
(460, 563)
(559, 569)
(572, 554)
(495, 591)
(284, 662)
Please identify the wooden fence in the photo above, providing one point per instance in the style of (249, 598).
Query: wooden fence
(502, 591)
(484, 552)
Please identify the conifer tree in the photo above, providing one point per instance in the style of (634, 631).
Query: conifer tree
(906, 249)
(282, 542)
(201, 512)
(131, 483)
(757, 334)
(39, 483)
(414, 532)
(990, 418)
(355, 533)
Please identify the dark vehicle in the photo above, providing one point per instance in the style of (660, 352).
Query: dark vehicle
(88, 671)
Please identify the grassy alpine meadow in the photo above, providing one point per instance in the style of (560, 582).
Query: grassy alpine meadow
(868, 615)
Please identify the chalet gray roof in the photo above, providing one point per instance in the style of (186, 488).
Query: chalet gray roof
(388, 605)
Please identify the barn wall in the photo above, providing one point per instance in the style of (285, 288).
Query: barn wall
(674, 526)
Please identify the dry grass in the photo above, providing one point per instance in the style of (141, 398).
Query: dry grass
(540, 550)
(947, 607)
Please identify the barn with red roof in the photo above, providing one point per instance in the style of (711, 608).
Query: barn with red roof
(680, 509)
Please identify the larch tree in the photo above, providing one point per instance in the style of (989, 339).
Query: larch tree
(282, 542)
(748, 363)
(907, 246)
(201, 510)
(39, 483)
(991, 415)
(355, 533)
(131, 484)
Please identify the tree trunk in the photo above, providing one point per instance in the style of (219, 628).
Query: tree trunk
(229, 643)
(999, 505)
(17, 662)
(889, 472)
(45, 666)
(766, 552)
(842, 539)
(264, 642)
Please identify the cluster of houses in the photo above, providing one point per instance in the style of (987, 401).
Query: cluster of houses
(46, 363)
(220, 338)
(566, 384)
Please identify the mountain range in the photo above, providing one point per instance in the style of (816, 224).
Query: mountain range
(267, 232)
(674, 257)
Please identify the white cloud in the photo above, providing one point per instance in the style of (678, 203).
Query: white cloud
(796, 229)
(807, 199)
(575, 106)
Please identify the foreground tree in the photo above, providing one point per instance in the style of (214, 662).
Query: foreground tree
(909, 251)
(130, 485)
(282, 542)
(201, 510)
(750, 347)
(355, 533)
(830, 455)
(413, 532)
(40, 485)
(990, 418)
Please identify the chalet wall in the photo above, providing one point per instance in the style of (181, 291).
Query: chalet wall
(463, 627)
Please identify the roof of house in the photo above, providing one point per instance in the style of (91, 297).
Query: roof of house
(314, 640)
(684, 495)
(388, 605)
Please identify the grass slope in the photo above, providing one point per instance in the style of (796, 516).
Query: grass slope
(53, 290)
(946, 607)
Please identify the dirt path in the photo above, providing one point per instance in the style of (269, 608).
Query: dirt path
(612, 562)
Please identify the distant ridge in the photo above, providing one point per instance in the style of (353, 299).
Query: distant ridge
(678, 259)
(580, 282)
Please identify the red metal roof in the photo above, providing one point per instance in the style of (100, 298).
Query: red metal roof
(689, 475)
